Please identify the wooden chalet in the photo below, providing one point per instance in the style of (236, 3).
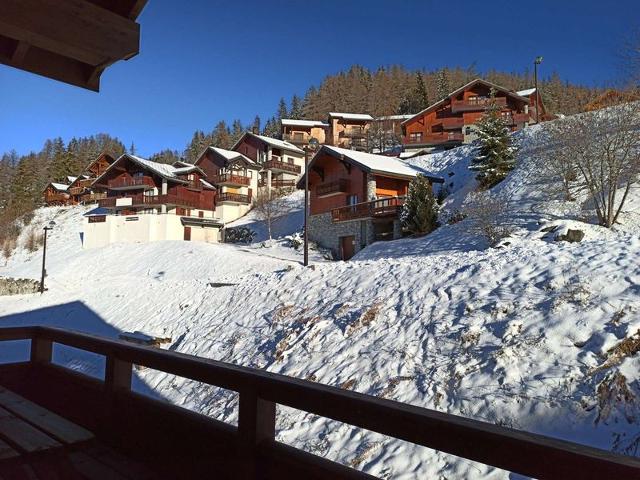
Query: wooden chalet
(281, 162)
(56, 194)
(81, 189)
(349, 130)
(451, 121)
(134, 185)
(58, 424)
(355, 198)
(299, 132)
(72, 41)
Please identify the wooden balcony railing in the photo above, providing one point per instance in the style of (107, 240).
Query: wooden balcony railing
(382, 207)
(516, 119)
(279, 165)
(252, 450)
(233, 198)
(479, 103)
(230, 179)
(283, 183)
(335, 187)
(435, 138)
(156, 200)
(56, 197)
(449, 123)
(353, 133)
(131, 182)
(296, 138)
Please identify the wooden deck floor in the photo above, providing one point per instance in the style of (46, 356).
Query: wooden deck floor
(37, 444)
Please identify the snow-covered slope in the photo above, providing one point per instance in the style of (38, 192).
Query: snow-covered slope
(523, 335)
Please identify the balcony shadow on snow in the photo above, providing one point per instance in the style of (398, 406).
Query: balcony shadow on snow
(72, 316)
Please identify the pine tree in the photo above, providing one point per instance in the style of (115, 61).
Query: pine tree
(496, 156)
(236, 131)
(421, 96)
(272, 128)
(442, 85)
(221, 135)
(132, 149)
(196, 146)
(255, 128)
(420, 210)
(296, 112)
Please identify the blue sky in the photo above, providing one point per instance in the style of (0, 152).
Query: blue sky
(202, 61)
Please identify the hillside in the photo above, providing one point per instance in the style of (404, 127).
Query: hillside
(518, 335)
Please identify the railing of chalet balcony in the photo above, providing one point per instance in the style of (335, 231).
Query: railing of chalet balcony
(296, 138)
(182, 200)
(283, 183)
(259, 392)
(280, 165)
(353, 133)
(436, 138)
(122, 182)
(336, 186)
(230, 178)
(479, 103)
(233, 197)
(382, 207)
(451, 122)
(56, 197)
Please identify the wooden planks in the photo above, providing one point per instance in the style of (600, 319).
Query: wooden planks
(56, 426)
(24, 435)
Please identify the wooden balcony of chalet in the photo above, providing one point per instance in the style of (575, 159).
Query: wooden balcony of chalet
(275, 164)
(353, 132)
(516, 119)
(233, 198)
(140, 201)
(435, 138)
(131, 183)
(387, 207)
(450, 123)
(56, 423)
(230, 179)
(334, 187)
(475, 104)
(283, 183)
(297, 138)
(56, 198)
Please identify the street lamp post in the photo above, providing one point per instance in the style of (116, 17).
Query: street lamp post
(536, 62)
(44, 253)
(313, 144)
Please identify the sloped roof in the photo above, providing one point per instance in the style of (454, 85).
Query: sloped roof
(464, 87)
(527, 92)
(303, 123)
(274, 142)
(351, 116)
(372, 162)
(228, 155)
(162, 169)
(59, 186)
(71, 179)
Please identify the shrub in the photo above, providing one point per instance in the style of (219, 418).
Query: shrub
(34, 240)
(420, 211)
(487, 215)
(239, 235)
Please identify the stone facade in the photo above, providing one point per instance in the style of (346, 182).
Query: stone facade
(327, 234)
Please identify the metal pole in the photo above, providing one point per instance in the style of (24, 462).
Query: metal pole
(535, 76)
(306, 207)
(44, 256)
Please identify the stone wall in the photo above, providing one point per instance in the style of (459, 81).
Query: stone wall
(327, 234)
(18, 286)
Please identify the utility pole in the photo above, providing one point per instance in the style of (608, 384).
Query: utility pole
(313, 144)
(44, 254)
(536, 62)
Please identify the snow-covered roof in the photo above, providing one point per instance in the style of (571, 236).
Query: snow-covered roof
(303, 123)
(373, 162)
(162, 169)
(183, 170)
(71, 179)
(274, 142)
(395, 117)
(229, 155)
(527, 92)
(351, 116)
(207, 184)
(59, 186)
(506, 91)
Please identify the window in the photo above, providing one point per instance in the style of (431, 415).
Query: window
(98, 219)
(290, 160)
(352, 199)
(138, 174)
(415, 137)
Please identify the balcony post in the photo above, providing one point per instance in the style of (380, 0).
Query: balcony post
(256, 424)
(117, 375)
(41, 350)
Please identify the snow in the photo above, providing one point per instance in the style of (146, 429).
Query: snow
(373, 162)
(59, 186)
(274, 142)
(230, 154)
(526, 93)
(351, 116)
(303, 123)
(517, 335)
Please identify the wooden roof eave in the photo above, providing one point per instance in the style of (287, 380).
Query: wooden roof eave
(72, 41)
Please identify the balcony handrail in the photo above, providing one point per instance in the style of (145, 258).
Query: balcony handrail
(279, 164)
(260, 391)
(233, 197)
(144, 181)
(230, 178)
(332, 186)
(379, 206)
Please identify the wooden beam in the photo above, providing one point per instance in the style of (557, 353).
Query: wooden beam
(76, 29)
(19, 53)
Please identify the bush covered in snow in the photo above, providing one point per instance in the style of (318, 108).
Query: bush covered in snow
(239, 235)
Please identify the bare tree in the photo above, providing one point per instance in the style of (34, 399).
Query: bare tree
(597, 153)
(487, 216)
(270, 207)
(382, 136)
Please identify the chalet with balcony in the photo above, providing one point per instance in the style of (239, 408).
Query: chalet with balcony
(56, 194)
(281, 163)
(147, 201)
(355, 198)
(81, 189)
(535, 103)
(349, 130)
(299, 132)
(451, 121)
(235, 177)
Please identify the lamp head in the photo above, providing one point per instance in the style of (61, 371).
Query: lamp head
(313, 143)
(538, 60)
